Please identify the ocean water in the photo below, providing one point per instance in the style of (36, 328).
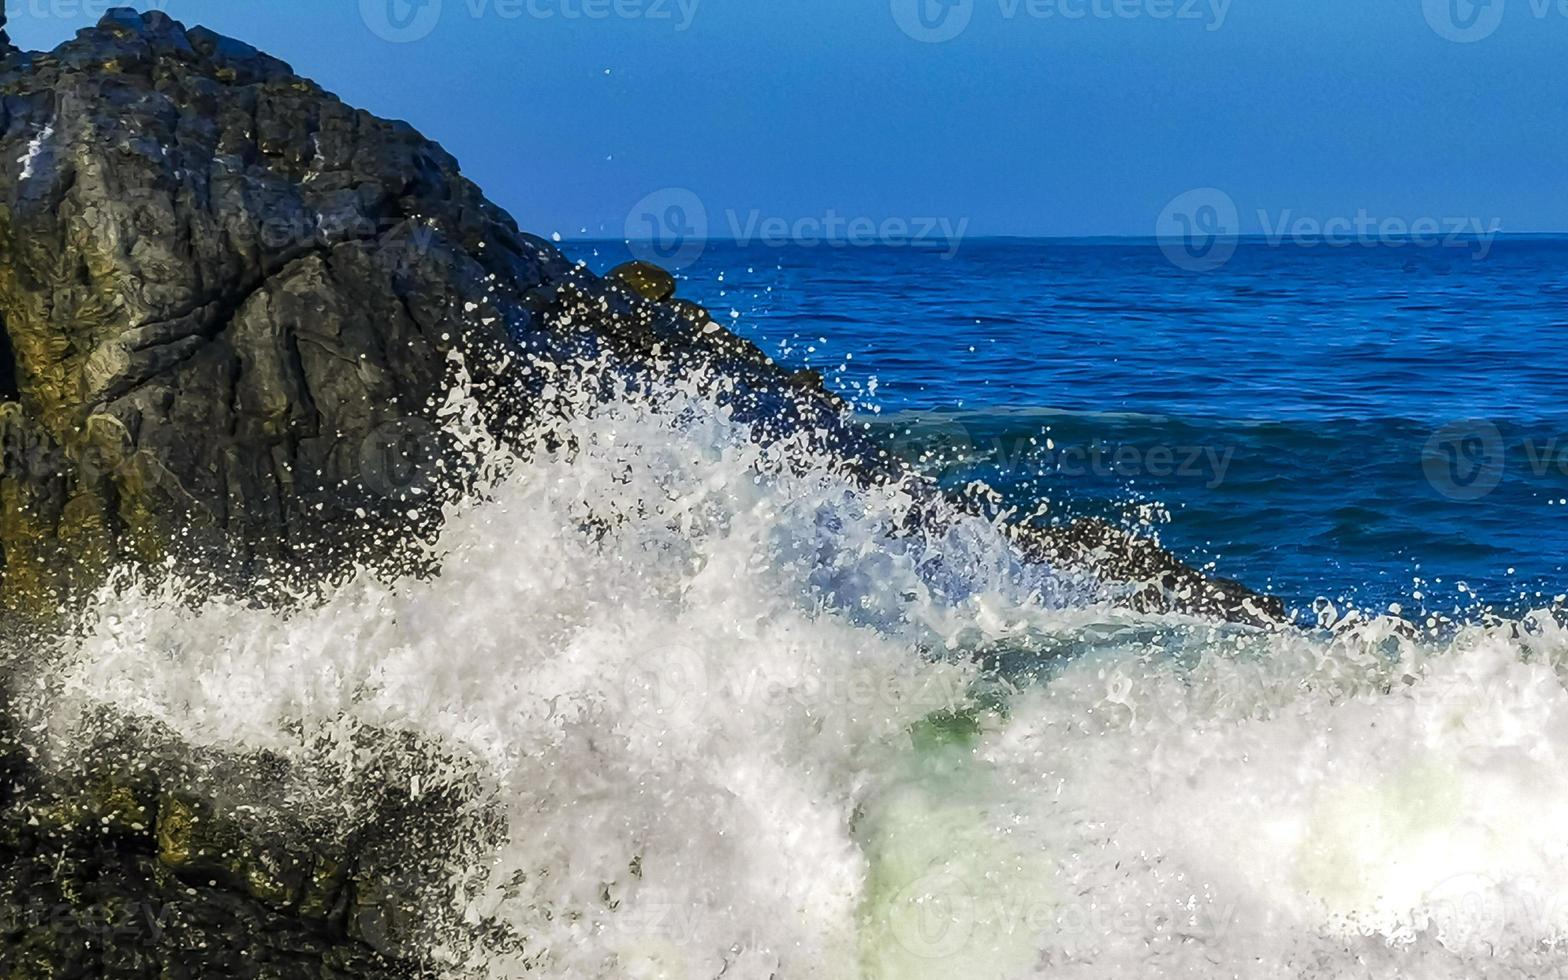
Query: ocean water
(1372, 426)
(733, 721)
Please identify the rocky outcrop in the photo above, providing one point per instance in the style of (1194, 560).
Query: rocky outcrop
(143, 858)
(230, 303)
(229, 308)
(229, 311)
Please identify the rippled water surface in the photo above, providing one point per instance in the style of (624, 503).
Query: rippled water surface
(1379, 425)
(728, 719)
(728, 716)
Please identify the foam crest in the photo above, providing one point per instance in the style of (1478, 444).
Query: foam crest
(730, 718)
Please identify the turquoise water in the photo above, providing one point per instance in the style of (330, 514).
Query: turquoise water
(1370, 425)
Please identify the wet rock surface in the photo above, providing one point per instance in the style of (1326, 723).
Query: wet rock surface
(228, 298)
(231, 306)
(1160, 582)
(139, 858)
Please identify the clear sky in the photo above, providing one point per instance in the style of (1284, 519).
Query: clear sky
(1047, 117)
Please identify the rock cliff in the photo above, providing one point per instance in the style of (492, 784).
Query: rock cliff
(229, 303)
(229, 308)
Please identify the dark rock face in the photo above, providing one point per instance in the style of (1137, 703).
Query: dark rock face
(229, 298)
(230, 303)
(127, 870)
(215, 288)
(229, 307)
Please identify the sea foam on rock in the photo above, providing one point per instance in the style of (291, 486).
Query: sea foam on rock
(233, 311)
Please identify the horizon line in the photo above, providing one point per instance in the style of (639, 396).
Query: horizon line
(1244, 237)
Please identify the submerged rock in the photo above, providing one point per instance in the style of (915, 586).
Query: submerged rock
(645, 279)
(1156, 581)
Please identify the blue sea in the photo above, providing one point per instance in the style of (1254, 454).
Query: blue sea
(1371, 426)
(728, 717)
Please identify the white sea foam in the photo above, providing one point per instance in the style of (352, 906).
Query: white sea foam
(691, 676)
(35, 149)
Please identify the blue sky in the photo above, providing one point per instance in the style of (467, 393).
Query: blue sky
(1050, 117)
